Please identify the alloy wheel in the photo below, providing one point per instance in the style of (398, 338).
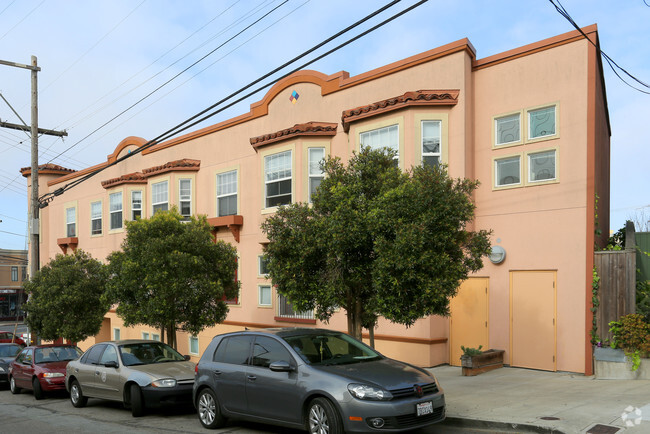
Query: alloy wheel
(207, 409)
(318, 423)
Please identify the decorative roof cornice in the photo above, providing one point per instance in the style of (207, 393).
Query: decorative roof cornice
(185, 164)
(129, 178)
(413, 98)
(306, 129)
(49, 169)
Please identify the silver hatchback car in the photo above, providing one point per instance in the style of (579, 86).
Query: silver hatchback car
(140, 373)
(320, 380)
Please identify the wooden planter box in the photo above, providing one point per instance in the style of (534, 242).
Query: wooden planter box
(484, 362)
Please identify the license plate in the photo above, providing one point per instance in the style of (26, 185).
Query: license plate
(424, 408)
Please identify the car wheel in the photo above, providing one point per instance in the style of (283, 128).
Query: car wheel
(76, 395)
(12, 386)
(36, 385)
(208, 409)
(137, 402)
(323, 418)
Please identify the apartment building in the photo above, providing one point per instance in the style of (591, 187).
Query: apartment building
(13, 272)
(531, 124)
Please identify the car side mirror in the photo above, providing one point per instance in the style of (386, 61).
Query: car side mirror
(186, 357)
(280, 366)
(111, 364)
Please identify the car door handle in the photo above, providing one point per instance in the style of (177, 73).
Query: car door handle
(217, 372)
(251, 377)
(96, 372)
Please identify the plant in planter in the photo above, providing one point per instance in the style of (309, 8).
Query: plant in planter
(631, 334)
(474, 361)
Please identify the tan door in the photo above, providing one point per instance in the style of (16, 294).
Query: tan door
(469, 318)
(532, 319)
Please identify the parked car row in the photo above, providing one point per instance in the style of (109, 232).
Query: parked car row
(319, 380)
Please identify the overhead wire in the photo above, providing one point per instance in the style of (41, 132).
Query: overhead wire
(562, 11)
(188, 122)
(23, 19)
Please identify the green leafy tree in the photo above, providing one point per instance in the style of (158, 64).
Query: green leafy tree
(171, 275)
(66, 298)
(376, 242)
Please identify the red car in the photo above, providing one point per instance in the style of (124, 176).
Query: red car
(41, 368)
(6, 337)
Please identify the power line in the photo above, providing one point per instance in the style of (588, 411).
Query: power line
(13, 233)
(24, 18)
(13, 218)
(186, 124)
(170, 80)
(562, 11)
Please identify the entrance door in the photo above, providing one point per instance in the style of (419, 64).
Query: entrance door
(532, 319)
(469, 318)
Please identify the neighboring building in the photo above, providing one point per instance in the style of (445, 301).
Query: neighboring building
(530, 124)
(13, 272)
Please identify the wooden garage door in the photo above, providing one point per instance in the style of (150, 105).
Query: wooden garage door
(469, 318)
(532, 319)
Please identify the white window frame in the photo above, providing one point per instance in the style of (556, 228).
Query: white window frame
(71, 221)
(314, 173)
(260, 262)
(160, 202)
(190, 340)
(227, 195)
(155, 337)
(145, 336)
(530, 111)
(267, 161)
(117, 334)
(496, 160)
(263, 295)
(431, 154)
(505, 117)
(185, 197)
(115, 211)
(133, 204)
(367, 134)
(94, 217)
(531, 154)
(14, 274)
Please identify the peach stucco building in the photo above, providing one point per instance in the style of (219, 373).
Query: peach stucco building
(530, 124)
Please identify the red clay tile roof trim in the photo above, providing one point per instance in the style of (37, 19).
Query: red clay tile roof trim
(414, 98)
(306, 129)
(185, 164)
(129, 178)
(49, 168)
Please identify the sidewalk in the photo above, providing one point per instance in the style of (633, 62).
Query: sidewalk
(540, 401)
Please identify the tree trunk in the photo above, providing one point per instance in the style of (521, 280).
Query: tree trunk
(371, 332)
(171, 336)
(354, 320)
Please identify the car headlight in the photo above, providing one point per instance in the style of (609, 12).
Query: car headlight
(363, 391)
(2, 369)
(52, 374)
(165, 382)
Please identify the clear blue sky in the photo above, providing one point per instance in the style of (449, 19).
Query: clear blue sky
(99, 57)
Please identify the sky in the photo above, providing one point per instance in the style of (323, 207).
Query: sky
(117, 68)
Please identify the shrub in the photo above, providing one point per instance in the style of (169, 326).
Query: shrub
(471, 351)
(631, 334)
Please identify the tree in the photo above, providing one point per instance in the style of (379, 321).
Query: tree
(171, 274)
(376, 241)
(66, 298)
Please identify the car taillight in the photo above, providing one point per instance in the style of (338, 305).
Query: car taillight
(196, 369)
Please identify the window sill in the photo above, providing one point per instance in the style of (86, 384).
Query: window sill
(68, 242)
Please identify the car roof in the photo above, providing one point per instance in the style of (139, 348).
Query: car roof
(9, 343)
(285, 332)
(51, 346)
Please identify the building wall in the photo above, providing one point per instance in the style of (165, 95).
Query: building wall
(542, 226)
(13, 271)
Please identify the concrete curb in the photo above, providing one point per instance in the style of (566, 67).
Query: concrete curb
(505, 426)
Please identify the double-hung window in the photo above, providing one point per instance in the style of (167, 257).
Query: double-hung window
(277, 179)
(431, 143)
(185, 197)
(71, 222)
(115, 204)
(96, 218)
(262, 266)
(136, 204)
(227, 193)
(316, 156)
(160, 196)
(385, 137)
(194, 345)
(264, 292)
(14, 274)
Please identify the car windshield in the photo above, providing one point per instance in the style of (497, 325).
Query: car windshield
(331, 349)
(9, 350)
(56, 354)
(145, 353)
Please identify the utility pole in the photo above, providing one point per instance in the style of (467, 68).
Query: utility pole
(34, 131)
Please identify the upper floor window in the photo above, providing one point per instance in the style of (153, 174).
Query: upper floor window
(14, 274)
(24, 273)
(227, 193)
(262, 266)
(96, 218)
(194, 345)
(541, 122)
(185, 197)
(136, 204)
(115, 204)
(507, 129)
(71, 222)
(431, 143)
(541, 166)
(507, 171)
(316, 156)
(277, 179)
(385, 137)
(160, 196)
